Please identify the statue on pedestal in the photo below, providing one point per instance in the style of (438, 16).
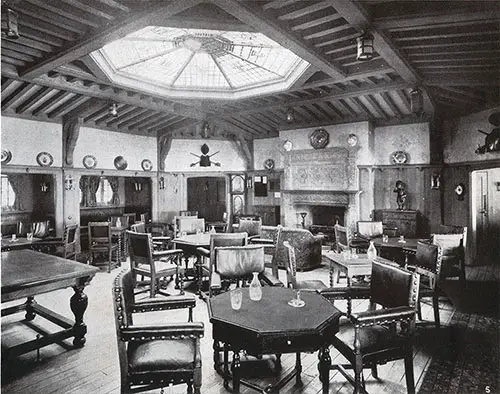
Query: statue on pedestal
(401, 195)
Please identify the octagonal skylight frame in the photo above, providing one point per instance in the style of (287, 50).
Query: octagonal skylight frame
(167, 61)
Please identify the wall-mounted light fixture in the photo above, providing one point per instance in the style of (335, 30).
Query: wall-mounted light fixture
(290, 116)
(44, 187)
(435, 180)
(113, 109)
(498, 186)
(161, 183)
(10, 24)
(365, 47)
(249, 182)
(68, 182)
(138, 186)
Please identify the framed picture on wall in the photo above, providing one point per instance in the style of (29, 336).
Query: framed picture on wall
(260, 186)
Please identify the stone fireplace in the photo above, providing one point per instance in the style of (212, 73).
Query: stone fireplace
(323, 185)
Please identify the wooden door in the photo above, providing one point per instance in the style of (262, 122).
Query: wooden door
(207, 195)
(481, 210)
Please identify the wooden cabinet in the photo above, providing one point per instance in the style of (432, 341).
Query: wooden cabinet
(406, 222)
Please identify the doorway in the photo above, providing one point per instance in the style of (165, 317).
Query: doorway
(486, 215)
(207, 195)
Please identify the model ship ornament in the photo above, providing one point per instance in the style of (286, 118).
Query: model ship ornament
(492, 139)
(204, 158)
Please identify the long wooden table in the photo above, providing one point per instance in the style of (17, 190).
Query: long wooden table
(25, 274)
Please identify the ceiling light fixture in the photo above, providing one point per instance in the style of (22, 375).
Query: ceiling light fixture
(9, 24)
(113, 110)
(365, 47)
(416, 101)
(290, 116)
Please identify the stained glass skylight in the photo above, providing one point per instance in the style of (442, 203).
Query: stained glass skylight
(199, 63)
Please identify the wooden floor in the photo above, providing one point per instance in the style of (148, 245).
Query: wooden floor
(95, 369)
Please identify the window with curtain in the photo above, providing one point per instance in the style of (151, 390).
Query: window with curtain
(8, 194)
(99, 191)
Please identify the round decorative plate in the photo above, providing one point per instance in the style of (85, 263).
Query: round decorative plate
(269, 164)
(147, 165)
(120, 163)
(399, 157)
(6, 156)
(44, 159)
(319, 138)
(89, 161)
(287, 145)
(352, 140)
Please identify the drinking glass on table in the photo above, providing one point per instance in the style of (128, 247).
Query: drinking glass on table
(236, 298)
(29, 236)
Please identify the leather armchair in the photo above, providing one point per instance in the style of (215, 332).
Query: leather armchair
(154, 356)
(307, 248)
(376, 336)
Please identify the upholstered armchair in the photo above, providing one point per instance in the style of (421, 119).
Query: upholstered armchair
(376, 336)
(307, 248)
(155, 355)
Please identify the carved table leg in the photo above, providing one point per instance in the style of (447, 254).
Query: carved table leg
(235, 370)
(78, 304)
(324, 368)
(30, 313)
(298, 368)
(199, 275)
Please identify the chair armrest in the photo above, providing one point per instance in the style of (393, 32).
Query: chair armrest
(172, 302)
(163, 253)
(215, 281)
(158, 332)
(343, 293)
(381, 316)
(203, 252)
(271, 280)
(263, 241)
(161, 238)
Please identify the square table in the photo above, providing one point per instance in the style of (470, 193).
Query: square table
(18, 243)
(272, 326)
(26, 273)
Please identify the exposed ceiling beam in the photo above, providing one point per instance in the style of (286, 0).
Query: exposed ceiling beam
(153, 13)
(244, 11)
(357, 16)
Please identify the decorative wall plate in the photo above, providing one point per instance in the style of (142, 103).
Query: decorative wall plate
(352, 140)
(6, 156)
(269, 164)
(287, 145)
(44, 159)
(120, 163)
(319, 138)
(89, 161)
(399, 157)
(147, 165)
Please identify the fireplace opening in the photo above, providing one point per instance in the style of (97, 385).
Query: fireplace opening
(324, 218)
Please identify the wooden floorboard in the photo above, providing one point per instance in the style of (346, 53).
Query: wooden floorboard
(95, 368)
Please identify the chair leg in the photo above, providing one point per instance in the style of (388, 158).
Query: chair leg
(435, 305)
(109, 260)
(358, 372)
(374, 371)
(419, 310)
(410, 380)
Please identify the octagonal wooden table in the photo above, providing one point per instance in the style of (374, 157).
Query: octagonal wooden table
(272, 326)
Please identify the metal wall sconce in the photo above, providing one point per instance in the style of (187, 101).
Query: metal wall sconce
(68, 183)
(249, 182)
(44, 187)
(10, 24)
(435, 180)
(138, 186)
(365, 47)
(498, 186)
(290, 116)
(161, 183)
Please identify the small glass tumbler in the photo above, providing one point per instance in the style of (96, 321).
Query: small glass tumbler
(236, 298)
(29, 236)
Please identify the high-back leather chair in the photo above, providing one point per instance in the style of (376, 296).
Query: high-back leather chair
(154, 264)
(251, 225)
(453, 244)
(188, 225)
(67, 247)
(428, 263)
(291, 274)
(342, 238)
(378, 335)
(101, 241)
(160, 242)
(155, 355)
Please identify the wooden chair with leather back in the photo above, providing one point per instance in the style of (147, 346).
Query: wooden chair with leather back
(101, 241)
(154, 264)
(377, 336)
(428, 263)
(252, 225)
(291, 274)
(67, 247)
(342, 238)
(160, 242)
(453, 242)
(156, 355)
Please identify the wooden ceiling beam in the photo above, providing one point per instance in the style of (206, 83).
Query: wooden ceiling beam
(358, 17)
(254, 17)
(59, 96)
(390, 103)
(65, 12)
(302, 11)
(31, 101)
(67, 106)
(17, 95)
(153, 13)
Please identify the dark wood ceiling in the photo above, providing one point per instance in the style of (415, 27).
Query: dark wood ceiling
(450, 50)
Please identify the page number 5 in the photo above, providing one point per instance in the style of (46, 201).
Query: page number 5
(487, 389)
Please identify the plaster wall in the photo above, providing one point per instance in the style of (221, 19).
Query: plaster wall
(27, 138)
(268, 148)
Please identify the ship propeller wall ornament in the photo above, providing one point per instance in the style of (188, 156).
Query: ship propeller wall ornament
(205, 157)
